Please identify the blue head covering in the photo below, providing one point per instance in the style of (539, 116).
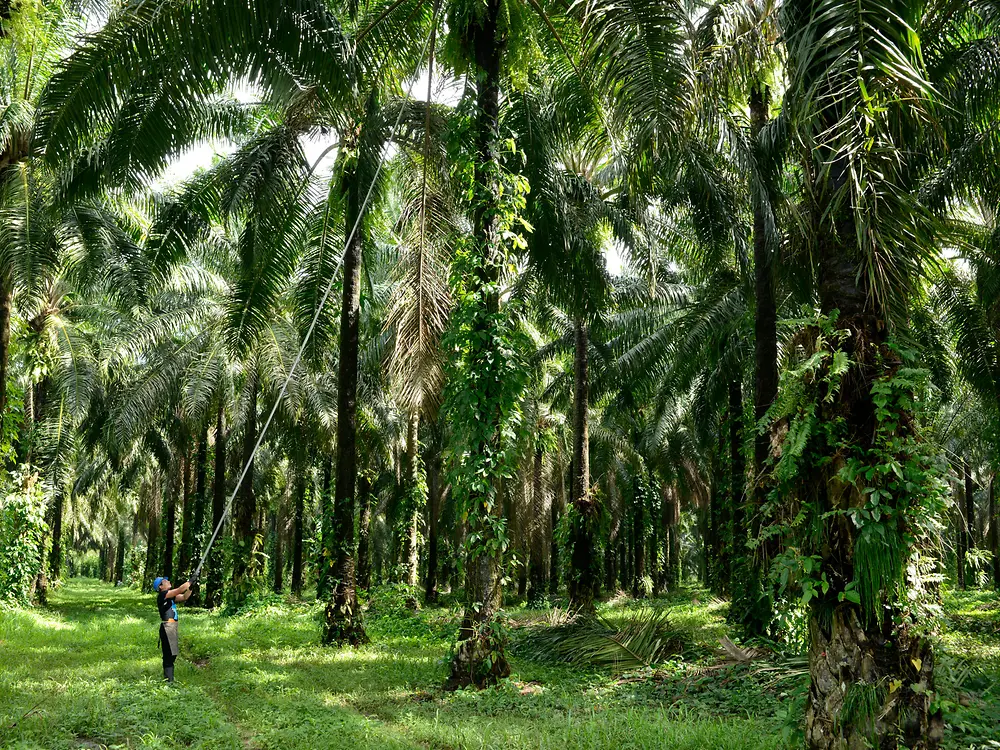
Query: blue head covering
(157, 582)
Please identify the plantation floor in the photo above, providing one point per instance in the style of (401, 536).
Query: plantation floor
(85, 672)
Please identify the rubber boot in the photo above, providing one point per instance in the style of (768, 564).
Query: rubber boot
(168, 674)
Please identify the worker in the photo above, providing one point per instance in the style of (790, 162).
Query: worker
(166, 604)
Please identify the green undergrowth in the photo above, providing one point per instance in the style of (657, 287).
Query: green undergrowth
(85, 673)
(968, 669)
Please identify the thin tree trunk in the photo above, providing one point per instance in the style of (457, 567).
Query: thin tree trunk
(583, 576)
(537, 567)
(671, 510)
(413, 500)
(187, 516)
(213, 587)
(55, 554)
(433, 522)
(6, 302)
(962, 538)
(167, 568)
(971, 538)
(200, 501)
(343, 615)
(364, 533)
(654, 556)
(278, 562)
(638, 541)
(120, 558)
(324, 565)
(152, 537)
(994, 539)
(244, 516)
(299, 520)
(558, 503)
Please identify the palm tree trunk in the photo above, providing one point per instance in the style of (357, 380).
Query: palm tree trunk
(480, 658)
(187, 516)
(55, 554)
(654, 557)
(324, 565)
(299, 519)
(120, 557)
(167, 568)
(278, 560)
(558, 503)
(537, 567)
(433, 523)
(412, 501)
(364, 533)
(961, 538)
(152, 537)
(850, 650)
(638, 541)
(343, 615)
(244, 516)
(213, 578)
(994, 537)
(671, 517)
(6, 303)
(970, 516)
(200, 500)
(765, 306)
(583, 574)
(748, 607)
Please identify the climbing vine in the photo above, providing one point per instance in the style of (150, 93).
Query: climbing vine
(884, 492)
(487, 374)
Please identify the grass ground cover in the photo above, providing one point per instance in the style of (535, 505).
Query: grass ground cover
(85, 673)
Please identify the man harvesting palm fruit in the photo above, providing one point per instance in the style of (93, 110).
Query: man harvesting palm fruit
(166, 599)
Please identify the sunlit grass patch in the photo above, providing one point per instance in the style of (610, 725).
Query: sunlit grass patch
(263, 680)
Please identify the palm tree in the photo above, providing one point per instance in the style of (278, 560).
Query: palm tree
(866, 135)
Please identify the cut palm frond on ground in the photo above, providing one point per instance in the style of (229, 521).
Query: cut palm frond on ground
(637, 639)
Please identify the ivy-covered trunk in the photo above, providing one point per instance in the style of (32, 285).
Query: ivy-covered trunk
(484, 395)
(583, 577)
(213, 578)
(872, 671)
(343, 615)
(245, 538)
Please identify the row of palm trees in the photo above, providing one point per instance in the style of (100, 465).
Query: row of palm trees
(745, 158)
